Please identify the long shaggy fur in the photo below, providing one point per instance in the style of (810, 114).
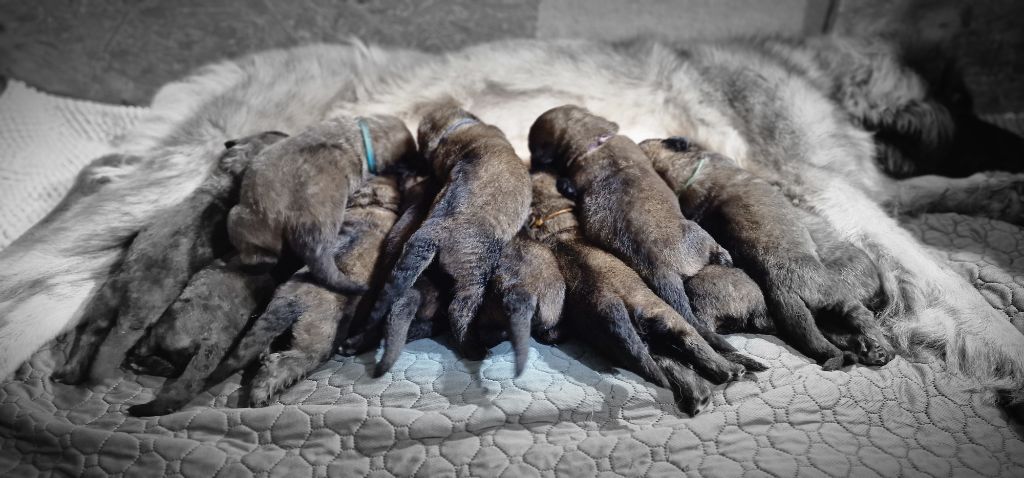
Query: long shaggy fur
(764, 107)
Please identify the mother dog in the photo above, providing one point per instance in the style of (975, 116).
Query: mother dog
(794, 112)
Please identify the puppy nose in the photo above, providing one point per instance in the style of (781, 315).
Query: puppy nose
(676, 143)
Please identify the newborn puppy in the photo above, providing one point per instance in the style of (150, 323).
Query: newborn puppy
(484, 201)
(608, 304)
(626, 208)
(318, 314)
(768, 240)
(203, 324)
(295, 192)
(726, 300)
(526, 294)
(158, 265)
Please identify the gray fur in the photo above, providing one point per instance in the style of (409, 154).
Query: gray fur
(295, 193)
(158, 265)
(201, 326)
(768, 239)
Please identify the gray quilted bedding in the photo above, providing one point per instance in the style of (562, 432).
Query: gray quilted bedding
(569, 414)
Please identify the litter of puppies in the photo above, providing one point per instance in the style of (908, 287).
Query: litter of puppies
(345, 236)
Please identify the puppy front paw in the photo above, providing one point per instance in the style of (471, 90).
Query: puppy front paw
(834, 363)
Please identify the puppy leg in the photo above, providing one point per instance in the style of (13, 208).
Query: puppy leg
(671, 287)
(312, 342)
(315, 244)
(471, 275)
(178, 392)
(417, 254)
(795, 323)
(258, 245)
(547, 326)
(996, 195)
(615, 334)
(669, 332)
(692, 393)
(101, 316)
(864, 339)
(396, 329)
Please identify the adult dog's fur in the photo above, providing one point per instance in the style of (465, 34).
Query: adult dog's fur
(748, 100)
(484, 201)
(158, 265)
(294, 193)
(769, 241)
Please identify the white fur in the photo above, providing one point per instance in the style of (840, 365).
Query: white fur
(46, 276)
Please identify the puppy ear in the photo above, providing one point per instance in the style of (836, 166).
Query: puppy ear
(231, 143)
(566, 188)
(678, 144)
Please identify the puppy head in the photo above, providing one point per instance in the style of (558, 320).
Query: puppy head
(393, 145)
(439, 121)
(674, 157)
(239, 152)
(379, 191)
(565, 133)
(550, 211)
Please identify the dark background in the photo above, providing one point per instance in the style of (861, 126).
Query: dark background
(121, 51)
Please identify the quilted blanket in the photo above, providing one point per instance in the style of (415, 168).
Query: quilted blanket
(569, 414)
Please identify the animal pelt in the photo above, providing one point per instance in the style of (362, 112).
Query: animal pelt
(770, 241)
(294, 193)
(201, 326)
(483, 202)
(161, 259)
(764, 107)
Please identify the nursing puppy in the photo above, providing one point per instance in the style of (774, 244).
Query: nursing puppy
(202, 324)
(768, 241)
(315, 313)
(295, 193)
(626, 208)
(158, 264)
(484, 201)
(609, 305)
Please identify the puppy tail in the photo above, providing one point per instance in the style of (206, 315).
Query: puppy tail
(315, 245)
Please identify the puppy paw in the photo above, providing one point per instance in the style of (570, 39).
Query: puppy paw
(69, 374)
(834, 363)
(750, 363)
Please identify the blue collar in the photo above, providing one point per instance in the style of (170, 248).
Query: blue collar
(451, 129)
(371, 159)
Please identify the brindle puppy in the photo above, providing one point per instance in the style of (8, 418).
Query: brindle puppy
(607, 303)
(318, 314)
(484, 201)
(417, 312)
(626, 209)
(203, 324)
(295, 192)
(526, 295)
(158, 265)
(768, 240)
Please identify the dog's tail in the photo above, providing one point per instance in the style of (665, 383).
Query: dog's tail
(316, 246)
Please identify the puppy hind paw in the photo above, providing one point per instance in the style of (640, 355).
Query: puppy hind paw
(834, 363)
(69, 374)
(750, 363)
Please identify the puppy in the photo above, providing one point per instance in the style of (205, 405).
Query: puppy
(526, 295)
(295, 192)
(202, 324)
(158, 264)
(319, 314)
(768, 240)
(609, 305)
(626, 208)
(484, 201)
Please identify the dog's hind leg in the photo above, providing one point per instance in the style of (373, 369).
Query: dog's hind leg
(671, 287)
(691, 392)
(996, 195)
(471, 267)
(316, 244)
(417, 254)
(177, 392)
(613, 332)
(796, 324)
(101, 315)
(258, 246)
(396, 329)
